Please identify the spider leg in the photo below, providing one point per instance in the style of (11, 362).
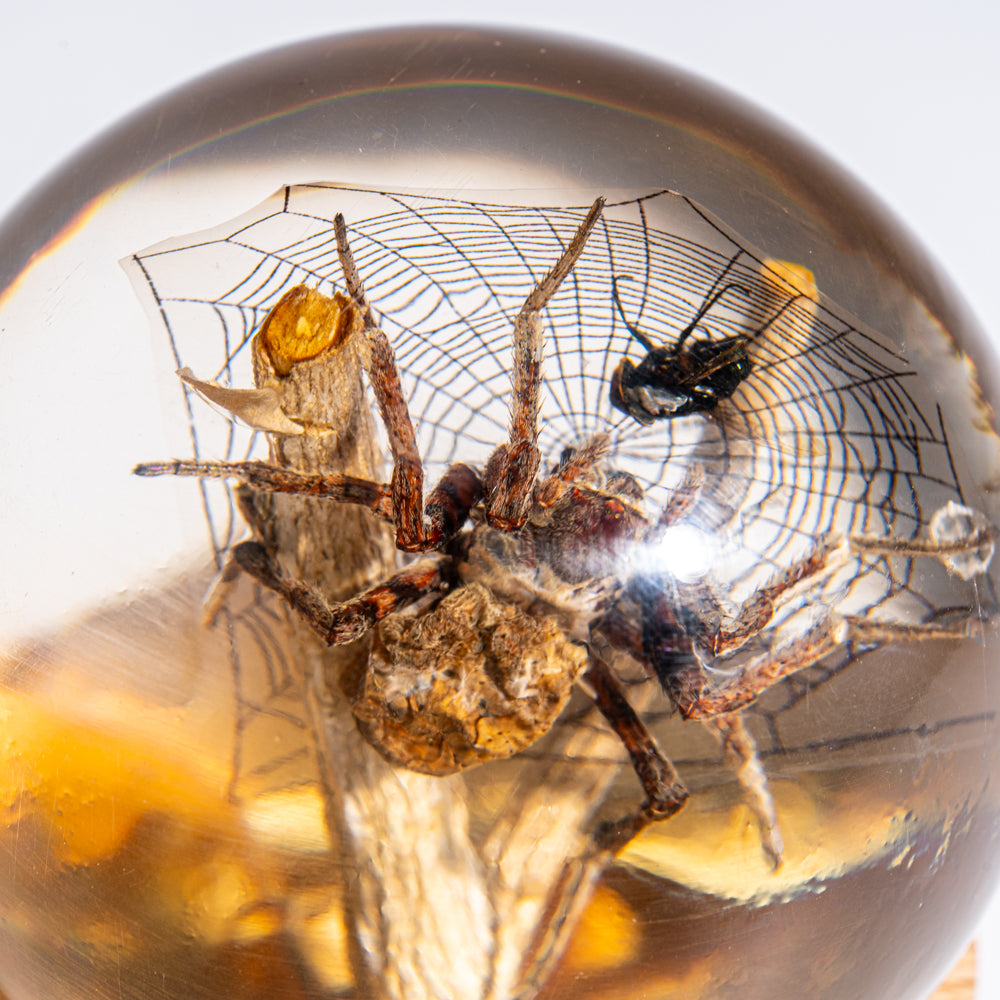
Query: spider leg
(665, 792)
(757, 611)
(513, 467)
(337, 624)
(447, 506)
(277, 479)
(958, 537)
(699, 695)
(419, 527)
(740, 753)
(739, 746)
(669, 639)
(682, 499)
(670, 632)
(575, 464)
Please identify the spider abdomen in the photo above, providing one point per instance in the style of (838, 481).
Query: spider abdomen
(471, 680)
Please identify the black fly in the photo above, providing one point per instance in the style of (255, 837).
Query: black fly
(691, 376)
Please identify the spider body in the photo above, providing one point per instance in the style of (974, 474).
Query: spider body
(483, 672)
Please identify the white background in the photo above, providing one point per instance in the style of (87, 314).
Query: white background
(904, 94)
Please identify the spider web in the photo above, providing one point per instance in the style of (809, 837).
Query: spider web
(833, 431)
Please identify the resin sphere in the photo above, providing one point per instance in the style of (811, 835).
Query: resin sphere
(754, 528)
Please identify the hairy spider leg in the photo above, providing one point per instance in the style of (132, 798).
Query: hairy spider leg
(335, 623)
(739, 750)
(574, 465)
(668, 640)
(682, 498)
(338, 624)
(757, 612)
(419, 526)
(627, 634)
(447, 506)
(277, 479)
(665, 792)
(512, 469)
(698, 696)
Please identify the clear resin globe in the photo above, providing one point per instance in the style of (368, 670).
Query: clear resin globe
(686, 683)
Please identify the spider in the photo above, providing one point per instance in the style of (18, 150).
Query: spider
(533, 580)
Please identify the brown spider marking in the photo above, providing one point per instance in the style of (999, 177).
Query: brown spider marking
(530, 586)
